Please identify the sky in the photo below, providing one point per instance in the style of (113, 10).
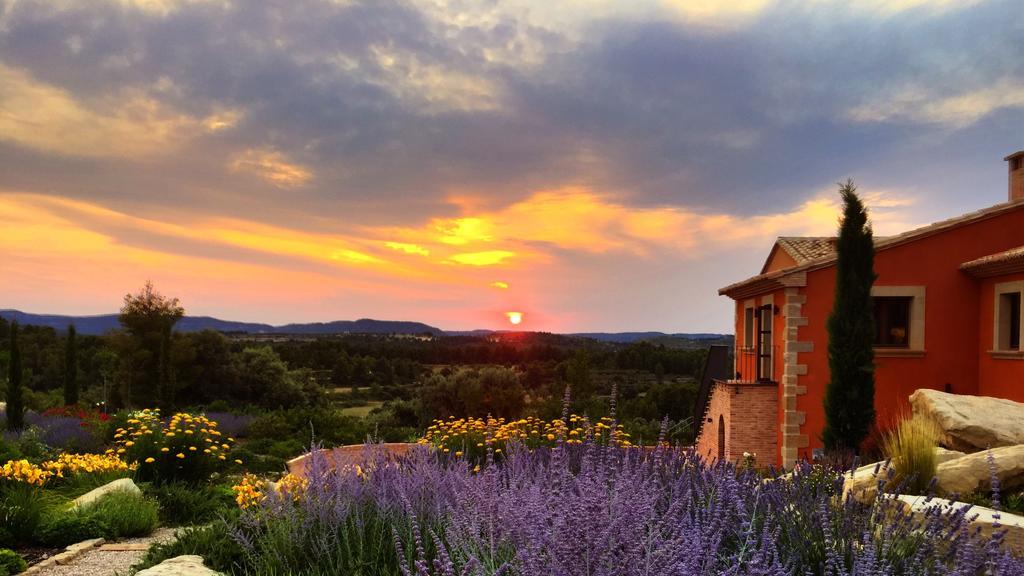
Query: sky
(595, 166)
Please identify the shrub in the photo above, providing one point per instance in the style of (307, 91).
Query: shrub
(182, 504)
(123, 514)
(911, 448)
(11, 562)
(187, 448)
(214, 543)
(595, 510)
(65, 528)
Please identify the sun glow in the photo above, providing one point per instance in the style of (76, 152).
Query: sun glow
(514, 317)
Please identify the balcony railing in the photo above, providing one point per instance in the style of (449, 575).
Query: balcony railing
(752, 366)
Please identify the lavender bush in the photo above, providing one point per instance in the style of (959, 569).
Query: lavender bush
(233, 425)
(590, 510)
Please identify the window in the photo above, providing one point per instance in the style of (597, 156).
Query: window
(899, 320)
(892, 321)
(1008, 320)
(748, 327)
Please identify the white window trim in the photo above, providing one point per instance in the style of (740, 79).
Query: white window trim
(917, 313)
(1000, 289)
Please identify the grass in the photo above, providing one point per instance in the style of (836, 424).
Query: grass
(910, 445)
(124, 514)
(361, 411)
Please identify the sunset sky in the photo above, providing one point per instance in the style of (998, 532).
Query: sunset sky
(601, 165)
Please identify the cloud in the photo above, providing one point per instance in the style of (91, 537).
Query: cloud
(271, 166)
(918, 104)
(47, 118)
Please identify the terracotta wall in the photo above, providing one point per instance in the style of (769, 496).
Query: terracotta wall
(997, 376)
(951, 319)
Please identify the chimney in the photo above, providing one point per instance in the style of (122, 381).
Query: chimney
(1016, 161)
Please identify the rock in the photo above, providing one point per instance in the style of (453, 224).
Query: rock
(942, 455)
(863, 482)
(179, 566)
(985, 520)
(119, 485)
(973, 473)
(971, 423)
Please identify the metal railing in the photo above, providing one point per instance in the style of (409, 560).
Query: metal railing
(751, 366)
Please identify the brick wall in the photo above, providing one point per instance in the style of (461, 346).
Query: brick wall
(754, 411)
(749, 413)
(718, 406)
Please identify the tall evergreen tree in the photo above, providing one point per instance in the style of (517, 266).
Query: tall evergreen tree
(850, 395)
(15, 403)
(71, 368)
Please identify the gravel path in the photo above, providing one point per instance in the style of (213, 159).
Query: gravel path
(100, 562)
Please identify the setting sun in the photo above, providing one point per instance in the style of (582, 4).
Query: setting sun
(514, 317)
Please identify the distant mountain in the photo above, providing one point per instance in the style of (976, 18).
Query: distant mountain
(106, 322)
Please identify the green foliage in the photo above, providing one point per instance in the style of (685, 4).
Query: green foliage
(324, 424)
(184, 504)
(22, 508)
(11, 562)
(911, 448)
(850, 394)
(123, 514)
(66, 528)
(71, 368)
(148, 318)
(213, 542)
(15, 410)
(468, 392)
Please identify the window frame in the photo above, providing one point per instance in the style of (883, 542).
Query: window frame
(916, 322)
(1000, 346)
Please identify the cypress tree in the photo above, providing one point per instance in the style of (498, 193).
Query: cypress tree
(850, 395)
(15, 403)
(71, 368)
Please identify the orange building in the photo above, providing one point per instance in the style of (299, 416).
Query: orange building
(947, 313)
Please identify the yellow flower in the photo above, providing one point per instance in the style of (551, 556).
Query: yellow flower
(238, 461)
(165, 449)
(150, 460)
(180, 455)
(129, 443)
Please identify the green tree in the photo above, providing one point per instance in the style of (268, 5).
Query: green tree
(850, 394)
(71, 368)
(15, 402)
(148, 317)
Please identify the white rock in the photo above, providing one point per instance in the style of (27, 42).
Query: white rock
(971, 423)
(983, 518)
(119, 485)
(973, 473)
(179, 566)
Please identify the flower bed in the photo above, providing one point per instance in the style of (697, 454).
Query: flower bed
(583, 509)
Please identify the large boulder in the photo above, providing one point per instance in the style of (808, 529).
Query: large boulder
(179, 566)
(971, 423)
(119, 485)
(986, 520)
(973, 473)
